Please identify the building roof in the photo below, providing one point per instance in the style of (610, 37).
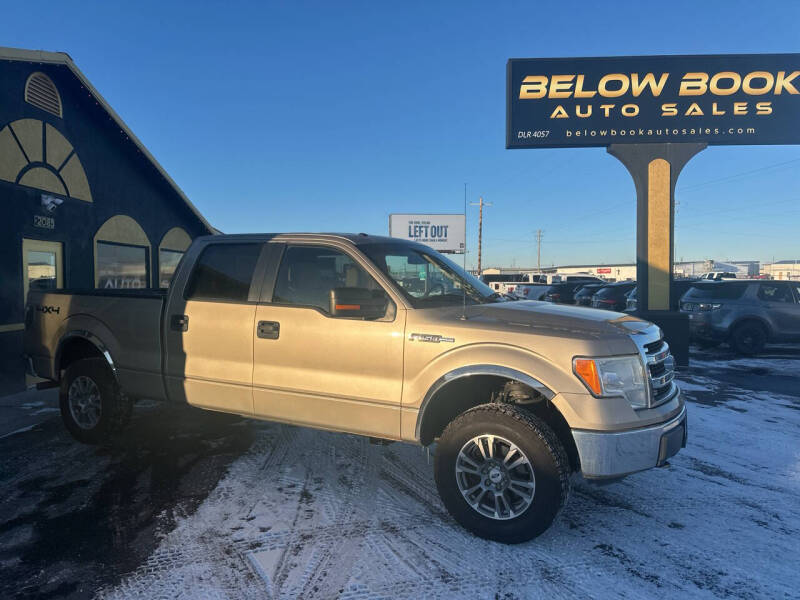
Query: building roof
(63, 59)
(786, 262)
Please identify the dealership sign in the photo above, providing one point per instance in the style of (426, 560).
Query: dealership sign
(716, 99)
(444, 233)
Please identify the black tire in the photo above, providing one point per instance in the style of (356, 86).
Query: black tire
(535, 440)
(114, 407)
(749, 338)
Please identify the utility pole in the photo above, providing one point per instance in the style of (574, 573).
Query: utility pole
(481, 204)
(539, 233)
(465, 227)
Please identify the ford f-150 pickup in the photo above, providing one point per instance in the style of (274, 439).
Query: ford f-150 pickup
(379, 337)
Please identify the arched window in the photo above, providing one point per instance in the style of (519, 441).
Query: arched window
(121, 255)
(41, 92)
(35, 154)
(170, 250)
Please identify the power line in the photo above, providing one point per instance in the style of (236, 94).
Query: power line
(738, 175)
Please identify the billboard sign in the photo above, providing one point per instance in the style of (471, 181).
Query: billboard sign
(715, 99)
(444, 233)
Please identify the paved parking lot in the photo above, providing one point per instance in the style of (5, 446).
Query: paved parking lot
(190, 504)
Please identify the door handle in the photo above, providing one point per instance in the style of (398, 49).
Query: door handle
(179, 322)
(269, 330)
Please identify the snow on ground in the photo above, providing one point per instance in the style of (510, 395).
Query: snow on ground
(313, 514)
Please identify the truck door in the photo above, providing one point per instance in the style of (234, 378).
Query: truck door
(316, 365)
(208, 327)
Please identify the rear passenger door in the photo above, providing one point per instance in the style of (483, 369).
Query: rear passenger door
(784, 312)
(208, 327)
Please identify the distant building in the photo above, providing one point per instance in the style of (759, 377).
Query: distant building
(782, 269)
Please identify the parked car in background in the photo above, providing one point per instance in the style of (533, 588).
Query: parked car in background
(505, 283)
(564, 278)
(679, 287)
(612, 296)
(530, 291)
(583, 297)
(718, 275)
(747, 314)
(563, 293)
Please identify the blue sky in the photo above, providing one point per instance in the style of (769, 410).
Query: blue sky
(330, 116)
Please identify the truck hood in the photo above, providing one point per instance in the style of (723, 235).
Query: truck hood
(552, 320)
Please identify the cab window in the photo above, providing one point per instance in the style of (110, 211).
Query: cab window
(331, 281)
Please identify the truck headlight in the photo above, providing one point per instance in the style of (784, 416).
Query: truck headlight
(618, 376)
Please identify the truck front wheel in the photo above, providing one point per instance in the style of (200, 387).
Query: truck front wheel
(92, 405)
(502, 472)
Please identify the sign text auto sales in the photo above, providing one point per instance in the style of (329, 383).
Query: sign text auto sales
(753, 99)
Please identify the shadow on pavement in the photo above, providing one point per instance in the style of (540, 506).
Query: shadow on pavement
(75, 517)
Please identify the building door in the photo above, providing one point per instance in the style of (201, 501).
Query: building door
(42, 266)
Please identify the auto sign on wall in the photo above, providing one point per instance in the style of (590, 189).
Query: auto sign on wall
(444, 233)
(718, 99)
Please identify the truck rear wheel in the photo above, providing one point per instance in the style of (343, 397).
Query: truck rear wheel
(92, 405)
(502, 473)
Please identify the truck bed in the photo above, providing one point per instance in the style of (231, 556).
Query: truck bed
(127, 321)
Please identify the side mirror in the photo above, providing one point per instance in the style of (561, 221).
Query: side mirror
(358, 303)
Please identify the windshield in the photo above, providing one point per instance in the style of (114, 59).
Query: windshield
(426, 278)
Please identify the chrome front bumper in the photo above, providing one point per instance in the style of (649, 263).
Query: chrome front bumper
(610, 455)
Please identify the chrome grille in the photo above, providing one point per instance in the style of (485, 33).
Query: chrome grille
(660, 371)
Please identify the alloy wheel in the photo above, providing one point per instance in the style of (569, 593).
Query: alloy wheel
(84, 402)
(495, 477)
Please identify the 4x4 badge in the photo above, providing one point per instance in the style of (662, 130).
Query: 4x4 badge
(427, 337)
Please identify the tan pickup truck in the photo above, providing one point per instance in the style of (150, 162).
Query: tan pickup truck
(383, 338)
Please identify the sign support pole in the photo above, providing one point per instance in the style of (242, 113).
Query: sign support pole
(655, 169)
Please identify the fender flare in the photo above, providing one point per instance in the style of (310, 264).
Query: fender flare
(470, 370)
(92, 339)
